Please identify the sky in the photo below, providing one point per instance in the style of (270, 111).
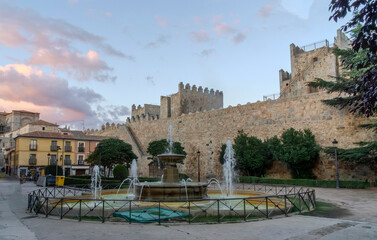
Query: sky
(82, 63)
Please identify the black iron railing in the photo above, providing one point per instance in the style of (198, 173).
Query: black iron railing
(278, 200)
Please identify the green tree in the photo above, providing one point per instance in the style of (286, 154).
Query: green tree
(222, 153)
(357, 87)
(160, 146)
(299, 151)
(114, 151)
(252, 155)
(120, 172)
(362, 59)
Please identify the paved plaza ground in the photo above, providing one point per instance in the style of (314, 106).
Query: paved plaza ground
(353, 217)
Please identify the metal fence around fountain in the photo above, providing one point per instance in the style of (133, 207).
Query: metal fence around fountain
(62, 202)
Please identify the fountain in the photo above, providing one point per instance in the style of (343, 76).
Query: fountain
(133, 170)
(228, 168)
(171, 188)
(96, 186)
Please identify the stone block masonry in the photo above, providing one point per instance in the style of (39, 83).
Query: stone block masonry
(201, 123)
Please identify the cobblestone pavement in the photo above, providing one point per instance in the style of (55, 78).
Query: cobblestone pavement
(356, 219)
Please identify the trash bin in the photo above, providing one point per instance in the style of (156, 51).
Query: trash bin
(50, 180)
(60, 180)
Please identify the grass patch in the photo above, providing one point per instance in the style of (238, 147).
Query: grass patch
(321, 209)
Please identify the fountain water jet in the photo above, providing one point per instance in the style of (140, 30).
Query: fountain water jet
(228, 168)
(133, 170)
(96, 186)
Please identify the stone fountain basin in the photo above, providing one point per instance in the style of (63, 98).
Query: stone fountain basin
(170, 191)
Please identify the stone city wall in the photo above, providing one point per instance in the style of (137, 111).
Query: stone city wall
(207, 131)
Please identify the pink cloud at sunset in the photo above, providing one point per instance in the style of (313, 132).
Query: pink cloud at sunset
(53, 97)
(201, 36)
(224, 29)
(81, 67)
(51, 43)
(265, 11)
(161, 21)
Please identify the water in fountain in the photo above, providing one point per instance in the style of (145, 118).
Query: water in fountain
(133, 169)
(214, 180)
(96, 182)
(170, 140)
(185, 183)
(228, 168)
(162, 178)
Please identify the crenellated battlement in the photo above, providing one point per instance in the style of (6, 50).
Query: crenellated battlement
(187, 88)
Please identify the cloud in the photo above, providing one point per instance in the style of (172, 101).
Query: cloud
(161, 21)
(160, 40)
(207, 52)
(201, 36)
(26, 87)
(240, 37)
(224, 29)
(150, 80)
(112, 113)
(51, 37)
(265, 11)
(81, 67)
(33, 86)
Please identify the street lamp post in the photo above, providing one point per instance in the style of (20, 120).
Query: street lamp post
(100, 152)
(57, 160)
(48, 159)
(198, 152)
(336, 163)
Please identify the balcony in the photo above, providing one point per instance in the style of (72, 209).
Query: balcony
(32, 161)
(80, 162)
(68, 148)
(53, 148)
(81, 149)
(67, 162)
(53, 162)
(33, 147)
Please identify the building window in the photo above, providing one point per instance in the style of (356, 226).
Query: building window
(43, 128)
(81, 147)
(53, 160)
(32, 159)
(33, 145)
(54, 146)
(81, 160)
(68, 147)
(67, 160)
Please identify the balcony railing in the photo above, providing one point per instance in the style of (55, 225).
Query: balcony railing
(80, 162)
(32, 161)
(53, 162)
(81, 149)
(54, 148)
(33, 147)
(68, 148)
(67, 162)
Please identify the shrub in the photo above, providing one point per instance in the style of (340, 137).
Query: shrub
(252, 155)
(51, 169)
(305, 182)
(299, 151)
(120, 172)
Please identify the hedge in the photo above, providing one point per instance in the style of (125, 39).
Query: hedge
(305, 182)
